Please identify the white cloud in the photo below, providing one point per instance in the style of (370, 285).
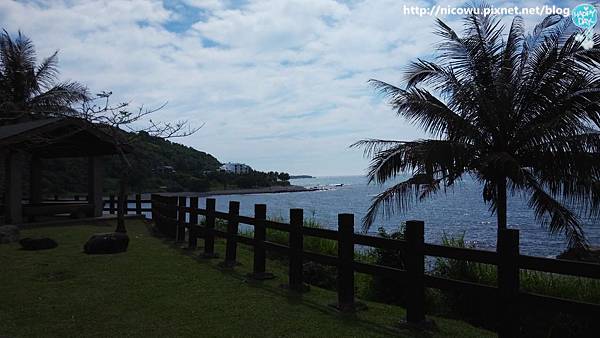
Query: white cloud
(206, 4)
(281, 85)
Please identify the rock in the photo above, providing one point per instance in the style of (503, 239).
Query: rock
(579, 254)
(38, 243)
(107, 243)
(9, 234)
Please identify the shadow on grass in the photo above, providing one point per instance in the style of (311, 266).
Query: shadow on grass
(292, 297)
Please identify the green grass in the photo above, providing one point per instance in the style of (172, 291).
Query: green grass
(158, 290)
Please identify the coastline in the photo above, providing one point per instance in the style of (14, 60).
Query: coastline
(263, 190)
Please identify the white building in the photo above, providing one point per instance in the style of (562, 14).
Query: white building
(235, 168)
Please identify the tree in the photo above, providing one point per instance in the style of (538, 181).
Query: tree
(29, 91)
(111, 119)
(284, 176)
(517, 112)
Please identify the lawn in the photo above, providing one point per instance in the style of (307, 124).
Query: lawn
(158, 290)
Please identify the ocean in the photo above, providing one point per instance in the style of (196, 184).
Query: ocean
(460, 211)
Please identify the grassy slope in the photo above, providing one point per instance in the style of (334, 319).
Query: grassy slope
(156, 290)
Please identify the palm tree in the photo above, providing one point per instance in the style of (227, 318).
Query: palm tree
(516, 112)
(28, 91)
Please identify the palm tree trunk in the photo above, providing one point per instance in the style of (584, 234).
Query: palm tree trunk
(501, 202)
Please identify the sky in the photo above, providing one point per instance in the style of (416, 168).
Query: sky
(278, 85)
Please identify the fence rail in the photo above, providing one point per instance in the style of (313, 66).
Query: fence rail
(110, 203)
(173, 215)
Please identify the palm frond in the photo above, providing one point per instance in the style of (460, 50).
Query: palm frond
(398, 197)
(560, 217)
(47, 71)
(373, 146)
(58, 99)
(433, 115)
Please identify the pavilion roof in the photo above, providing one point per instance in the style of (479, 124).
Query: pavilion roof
(63, 137)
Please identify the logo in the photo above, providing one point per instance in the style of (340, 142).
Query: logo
(585, 16)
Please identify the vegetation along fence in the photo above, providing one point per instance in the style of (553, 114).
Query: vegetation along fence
(173, 215)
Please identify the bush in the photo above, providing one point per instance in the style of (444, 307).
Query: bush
(323, 276)
(314, 273)
(539, 323)
(385, 289)
(461, 304)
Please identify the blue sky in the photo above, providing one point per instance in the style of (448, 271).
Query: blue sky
(279, 85)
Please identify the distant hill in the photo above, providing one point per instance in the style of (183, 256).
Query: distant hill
(157, 165)
(150, 161)
(300, 176)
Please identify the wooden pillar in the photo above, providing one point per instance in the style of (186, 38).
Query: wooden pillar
(508, 283)
(13, 212)
(193, 229)
(35, 180)
(95, 185)
(232, 232)
(112, 205)
(138, 204)
(260, 234)
(180, 232)
(209, 235)
(345, 279)
(415, 309)
(295, 278)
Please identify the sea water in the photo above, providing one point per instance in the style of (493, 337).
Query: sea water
(456, 212)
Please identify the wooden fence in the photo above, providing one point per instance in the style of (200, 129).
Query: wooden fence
(110, 203)
(170, 215)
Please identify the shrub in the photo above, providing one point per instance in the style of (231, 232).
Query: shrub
(539, 323)
(385, 289)
(320, 275)
(460, 304)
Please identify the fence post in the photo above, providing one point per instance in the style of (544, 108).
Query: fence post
(192, 234)
(180, 231)
(138, 204)
(172, 214)
(111, 204)
(154, 209)
(77, 197)
(508, 283)
(260, 234)
(345, 270)
(296, 280)
(232, 232)
(415, 266)
(209, 235)
(56, 197)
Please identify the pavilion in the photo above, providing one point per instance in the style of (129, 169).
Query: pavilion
(32, 142)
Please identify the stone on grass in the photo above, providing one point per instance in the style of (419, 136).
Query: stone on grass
(9, 234)
(37, 243)
(107, 243)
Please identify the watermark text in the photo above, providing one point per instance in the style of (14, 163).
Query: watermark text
(441, 10)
